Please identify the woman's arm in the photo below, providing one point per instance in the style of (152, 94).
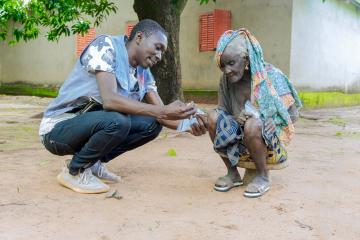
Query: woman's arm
(294, 113)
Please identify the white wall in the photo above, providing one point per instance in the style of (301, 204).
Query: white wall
(325, 45)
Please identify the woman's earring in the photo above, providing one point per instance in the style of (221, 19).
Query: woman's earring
(247, 67)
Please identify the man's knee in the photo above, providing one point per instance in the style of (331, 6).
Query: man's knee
(117, 123)
(252, 129)
(155, 128)
(147, 126)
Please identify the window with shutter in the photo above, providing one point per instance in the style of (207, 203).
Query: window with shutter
(206, 32)
(83, 41)
(128, 27)
(211, 26)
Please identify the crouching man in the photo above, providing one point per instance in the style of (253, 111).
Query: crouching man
(109, 105)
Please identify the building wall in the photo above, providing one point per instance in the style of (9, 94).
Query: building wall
(39, 61)
(268, 20)
(325, 52)
(42, 62)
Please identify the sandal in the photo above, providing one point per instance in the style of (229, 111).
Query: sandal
(225, 183)
(258, 187)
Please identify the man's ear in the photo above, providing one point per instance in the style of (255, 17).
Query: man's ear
(138, 37)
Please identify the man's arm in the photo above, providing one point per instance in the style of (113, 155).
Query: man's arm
(152, 97)
(196, 129)
(112, 101)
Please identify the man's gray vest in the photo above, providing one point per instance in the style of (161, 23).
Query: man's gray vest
(81, 85)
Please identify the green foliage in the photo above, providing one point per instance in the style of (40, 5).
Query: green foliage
(205, 1)
(22, 19)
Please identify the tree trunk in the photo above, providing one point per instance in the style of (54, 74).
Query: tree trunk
(167, 73)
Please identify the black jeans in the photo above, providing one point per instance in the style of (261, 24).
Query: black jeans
(99, 135)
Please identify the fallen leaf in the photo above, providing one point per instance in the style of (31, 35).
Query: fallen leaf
(171, 152)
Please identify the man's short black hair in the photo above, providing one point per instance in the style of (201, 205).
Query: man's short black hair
(148, 27)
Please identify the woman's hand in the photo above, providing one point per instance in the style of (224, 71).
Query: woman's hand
(243, 116)
(200, 128)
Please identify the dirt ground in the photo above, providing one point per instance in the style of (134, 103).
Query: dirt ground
(171, 197)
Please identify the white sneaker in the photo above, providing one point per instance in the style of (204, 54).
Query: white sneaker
(84, 182)
(99, 170)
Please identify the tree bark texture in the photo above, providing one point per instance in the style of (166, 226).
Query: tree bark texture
(167, 73)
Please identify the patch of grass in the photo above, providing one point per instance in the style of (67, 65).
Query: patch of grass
(329, 99)
(28, 90)
(19, 136)
(355, 135)
(338, 121)
(309, 99)
(339, 133)
(201, 92)
(201, 96)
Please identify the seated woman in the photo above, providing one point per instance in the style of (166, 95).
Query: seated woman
(255, 115)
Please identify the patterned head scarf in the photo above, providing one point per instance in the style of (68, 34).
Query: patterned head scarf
(227, 38)
(263, 94)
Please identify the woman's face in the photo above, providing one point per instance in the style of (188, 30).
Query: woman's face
(233, 66)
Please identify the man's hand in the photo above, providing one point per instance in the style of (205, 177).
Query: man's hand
(201, 128)
(270, 126)
(177, 110)
(243, 116)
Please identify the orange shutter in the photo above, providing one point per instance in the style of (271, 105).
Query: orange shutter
(211, 26)
(206, 32)
(222, 23)
(128, 27)
(83, 41)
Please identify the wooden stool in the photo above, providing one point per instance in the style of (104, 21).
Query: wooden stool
(250, 168)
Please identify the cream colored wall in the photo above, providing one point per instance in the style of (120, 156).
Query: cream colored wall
(38, 61)
(325, 51)
(42, 62)
(268, 20)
